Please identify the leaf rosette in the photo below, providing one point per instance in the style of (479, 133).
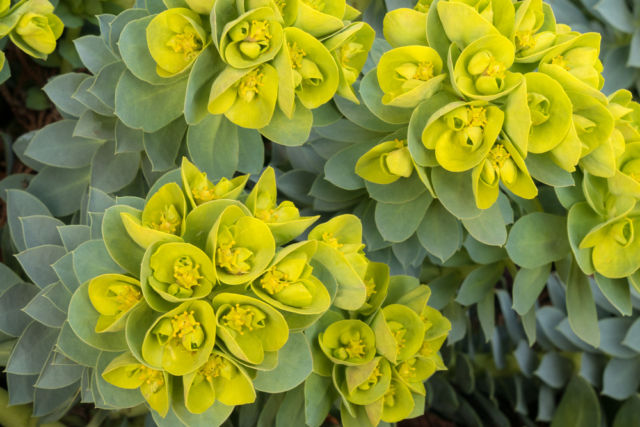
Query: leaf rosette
(175, 38)
(181, 340)
(248, 327)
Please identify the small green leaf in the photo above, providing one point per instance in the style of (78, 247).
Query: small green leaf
(478, 283)
(440, 232)
(537, 239)
(527, 286)
(581, 308)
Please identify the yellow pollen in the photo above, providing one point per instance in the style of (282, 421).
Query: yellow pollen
(125, 295)
(559, 61)
(239, 319)
(217, 366)
(315, 4)
(498, 156)
(186, 272)
(407, 370)
(187, 43)
(495, 69)
(183, 324)
(525, 40)
(233, 259)
(169, 220)
(296, 53)
(328, 238)
(250, 84)
(348, 50)
(151, 377)
(260, 31)
(274, 281)
(355, 349)
(370, 286)
(424, 71)
(372, 380)
(477, 116)
(390, 396)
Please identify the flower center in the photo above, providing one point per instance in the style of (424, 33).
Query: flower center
(205, 191)
(560, 61)
(186, 272)
(423, 6)
(151, 377)
(168, 221)
(315, 4)
(407, 369)
(370, 286)
(250, 84)
(352, 347)
(126, 296)
(187, 42)
(234, 259)
(623, 232)
(373, 378)
(243, 318)
(274, 281)
(217, 366)
(390, 396)
(398, 331)
(539, 107)
(477, 116)
(328, 238)
(296, 53)
(525, 40)
(499, 165)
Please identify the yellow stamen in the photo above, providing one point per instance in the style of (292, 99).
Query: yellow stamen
(250, 84)
(169, 220)
(296, 53)
(240, 319)
(217, 366)
(184, 324)
(187, 42)
(559, 61)
(151, 377)
(126, 296)
(328, 238)
(186, 272)
(274, 281)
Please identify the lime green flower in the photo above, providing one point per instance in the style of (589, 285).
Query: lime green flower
(37, 30)
(180, 272)
(200, 190)
(306, 70)
(246, 97)
(320, 17)
(253, 38)
(180, 341)
(410, 74)
(241, 246)
(348, 342)
(578, 59)
(283, 219)
(113, 296)
(162, 218)
(363, 384)
(203, 7)
(414, 371)
(343, 234)
(463, 134)
(502, 164)
(175, 38)
(386, 162)
(405, 27)
(4, 7)
(482, 69)
(289, 284)
(398, 402)
(399, 332)
(535, 30)
(376, 282)
(125, 371)
(350, 48)
(626, 114)
(249, 327)
(221, 379)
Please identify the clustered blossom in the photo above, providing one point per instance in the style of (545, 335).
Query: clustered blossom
(275, 58)
(493, 83)
(220, 286)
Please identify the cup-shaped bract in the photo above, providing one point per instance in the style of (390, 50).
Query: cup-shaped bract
(200, 190)
(241, 246)
(179, 272)
(550, 110)
(343, 233)
(414, 371)
(363, 384)
(616, 248)
(249, 327)
(307, 70)
(253, 38)
(410, 74)
(175, 38)
(399, 332)
(398, 402)
(283, 219)
(627, 178)
(320, 17)
(534, 31)
(463, 134)
(162, 217)
(246, 97)
(289, 284)
(219, 379)
(180, 341)
(203, 7)
(37, 30)
(386, 162)
(502, 164)
(482, 69)
(437, 329)
(350, 48)
(348, 342)
(113, 296)
(405, 27)
(376, 281)
(125, 371)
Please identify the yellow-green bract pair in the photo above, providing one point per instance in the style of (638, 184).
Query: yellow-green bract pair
(269, 54)
(379, 365)
(492, 82)
(31, 25)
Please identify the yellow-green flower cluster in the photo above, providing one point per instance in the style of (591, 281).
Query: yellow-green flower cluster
(492, 83)
(378, 363)
(275, 58)
(31, 25)
(215, 286)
